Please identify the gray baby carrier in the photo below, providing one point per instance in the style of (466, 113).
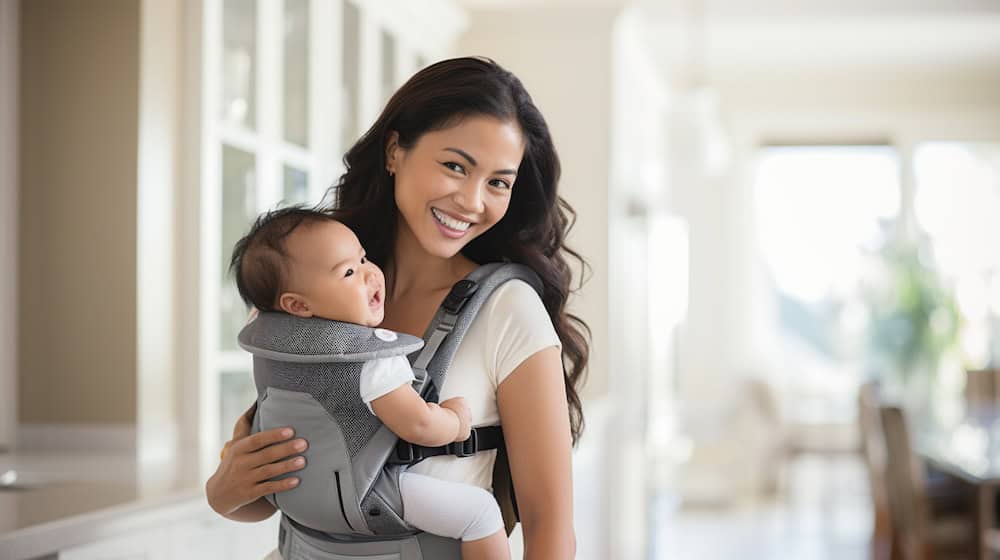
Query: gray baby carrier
(307, 372)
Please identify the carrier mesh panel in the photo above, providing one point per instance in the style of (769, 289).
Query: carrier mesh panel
(336, 387)
(311, 336)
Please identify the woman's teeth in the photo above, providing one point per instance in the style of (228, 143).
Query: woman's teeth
(449, 222)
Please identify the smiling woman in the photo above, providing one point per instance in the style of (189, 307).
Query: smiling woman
(445, 191)
(457, 172)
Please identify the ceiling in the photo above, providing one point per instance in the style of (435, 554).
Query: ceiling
(733, 36)
(727, 36)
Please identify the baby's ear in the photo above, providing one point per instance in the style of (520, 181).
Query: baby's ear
(294, 304)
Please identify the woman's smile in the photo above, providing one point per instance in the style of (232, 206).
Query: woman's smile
(450, 226)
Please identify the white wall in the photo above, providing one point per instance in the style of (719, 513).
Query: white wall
(8, 220)
(562, 54)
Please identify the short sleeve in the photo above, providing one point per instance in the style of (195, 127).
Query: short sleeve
(382, 376)
(518, 327)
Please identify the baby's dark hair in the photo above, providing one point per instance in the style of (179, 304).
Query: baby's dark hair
(260, 260)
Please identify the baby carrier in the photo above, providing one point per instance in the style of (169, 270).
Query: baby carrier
(307, 372)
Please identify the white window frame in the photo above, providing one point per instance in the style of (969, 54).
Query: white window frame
(425, 31)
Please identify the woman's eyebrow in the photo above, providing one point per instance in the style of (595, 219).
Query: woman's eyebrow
(472, 161)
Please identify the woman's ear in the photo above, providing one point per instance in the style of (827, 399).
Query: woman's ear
(294, 304)
(391, 150)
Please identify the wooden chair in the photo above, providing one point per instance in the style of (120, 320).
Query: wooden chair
(982, 388)
(874, 452)
(916, 534)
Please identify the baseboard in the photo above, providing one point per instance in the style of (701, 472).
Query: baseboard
(77, 437)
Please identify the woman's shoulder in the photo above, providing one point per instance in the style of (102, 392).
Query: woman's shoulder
(514, 296)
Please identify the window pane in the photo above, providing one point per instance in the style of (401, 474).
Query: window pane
(388, 65)
(296, 185)
(822, 214)
(957, 202)
(297, 71)
(239, 63)
(236, 394)
(818, 207)
(238, 210)
(349, 89)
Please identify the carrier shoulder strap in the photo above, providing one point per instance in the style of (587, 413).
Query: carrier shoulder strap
(443, 336)
(457, 311)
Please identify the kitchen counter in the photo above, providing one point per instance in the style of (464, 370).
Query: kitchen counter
(66, 501)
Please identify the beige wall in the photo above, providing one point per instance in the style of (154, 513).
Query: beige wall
(566, 67)
(77, 252)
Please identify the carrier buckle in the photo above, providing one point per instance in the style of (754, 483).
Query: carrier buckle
(459, 294)
(466, 448)
(408, 453)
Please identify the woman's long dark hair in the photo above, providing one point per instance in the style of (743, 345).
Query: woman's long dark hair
(532, 232)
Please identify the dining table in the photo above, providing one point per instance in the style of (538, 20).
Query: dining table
(969, 450)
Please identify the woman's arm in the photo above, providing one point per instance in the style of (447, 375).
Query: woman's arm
(535, 419)
(237, 488)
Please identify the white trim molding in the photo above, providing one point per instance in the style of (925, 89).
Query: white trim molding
(8, 219)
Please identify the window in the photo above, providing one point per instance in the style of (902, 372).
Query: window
(957, 204)
(821, 212)
(284, 84)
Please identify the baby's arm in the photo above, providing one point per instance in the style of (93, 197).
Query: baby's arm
(424, 423)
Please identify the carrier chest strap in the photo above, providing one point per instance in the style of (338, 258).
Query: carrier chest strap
(482, 439)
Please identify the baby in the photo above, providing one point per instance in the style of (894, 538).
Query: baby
(305, 263)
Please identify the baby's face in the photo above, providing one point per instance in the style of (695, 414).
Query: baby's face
(330, 277)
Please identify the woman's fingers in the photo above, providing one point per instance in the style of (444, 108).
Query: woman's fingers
(274, 469)
(276, 486)
(276, 453)
(260, 440)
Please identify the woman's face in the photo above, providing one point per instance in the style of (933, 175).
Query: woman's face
(454, 184)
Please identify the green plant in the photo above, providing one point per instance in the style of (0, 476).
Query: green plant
(914, 318)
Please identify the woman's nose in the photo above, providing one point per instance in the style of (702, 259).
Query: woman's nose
(470, 198)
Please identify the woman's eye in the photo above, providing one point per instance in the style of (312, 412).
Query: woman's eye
(349, 272)
(500, 184)
(456, 167)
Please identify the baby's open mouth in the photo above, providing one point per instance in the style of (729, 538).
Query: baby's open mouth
(376, 299)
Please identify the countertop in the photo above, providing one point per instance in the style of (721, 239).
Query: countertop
(62, 500)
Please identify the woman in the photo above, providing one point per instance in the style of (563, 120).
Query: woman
(460, 170)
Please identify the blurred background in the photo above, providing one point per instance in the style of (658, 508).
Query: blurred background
(789, 208)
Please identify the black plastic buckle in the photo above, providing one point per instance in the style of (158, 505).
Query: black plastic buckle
(459, 294)
(466, 448)
(408, 453)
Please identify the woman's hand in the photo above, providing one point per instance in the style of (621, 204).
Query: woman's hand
(248, 461)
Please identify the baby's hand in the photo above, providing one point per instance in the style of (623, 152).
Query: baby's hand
(458, 406)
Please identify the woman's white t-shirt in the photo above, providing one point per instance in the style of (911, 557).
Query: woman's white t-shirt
(511, 326)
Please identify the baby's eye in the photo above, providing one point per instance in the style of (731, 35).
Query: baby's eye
(349, 272)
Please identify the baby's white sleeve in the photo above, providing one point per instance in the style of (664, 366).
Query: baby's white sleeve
(382, 376)
(519, 326)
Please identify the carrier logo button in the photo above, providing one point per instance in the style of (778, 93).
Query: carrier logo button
(385, 335)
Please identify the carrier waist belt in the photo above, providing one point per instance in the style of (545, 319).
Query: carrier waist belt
(481, 439)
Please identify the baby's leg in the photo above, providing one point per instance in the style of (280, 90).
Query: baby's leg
(458, 511)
